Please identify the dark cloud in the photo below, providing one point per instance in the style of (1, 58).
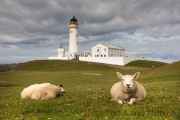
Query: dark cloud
(45, 23)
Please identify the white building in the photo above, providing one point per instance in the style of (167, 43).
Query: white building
(100, 53)
(103, 50)
(109, 54)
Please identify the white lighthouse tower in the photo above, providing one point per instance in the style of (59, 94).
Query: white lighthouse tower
(73, 37)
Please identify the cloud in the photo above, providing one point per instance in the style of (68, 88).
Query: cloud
(13, 46)
(139, 25)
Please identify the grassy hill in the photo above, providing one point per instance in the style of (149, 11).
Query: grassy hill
(146, 64)
(169, 72)
(88, 95)
(59, 65)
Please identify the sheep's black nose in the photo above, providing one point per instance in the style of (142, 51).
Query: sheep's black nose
(128, 85)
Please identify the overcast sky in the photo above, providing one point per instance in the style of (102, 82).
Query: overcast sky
(34, 29)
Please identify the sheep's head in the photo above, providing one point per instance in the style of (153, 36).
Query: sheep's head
(128, 80)
(63, 92)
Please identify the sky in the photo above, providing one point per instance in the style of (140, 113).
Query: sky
(34, 29)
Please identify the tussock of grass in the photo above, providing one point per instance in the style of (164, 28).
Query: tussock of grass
(88, 95)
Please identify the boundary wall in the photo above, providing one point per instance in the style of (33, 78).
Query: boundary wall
(110, 60)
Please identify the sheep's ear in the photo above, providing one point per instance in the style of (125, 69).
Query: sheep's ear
(61, 85)
(136, 75)
(119, 75)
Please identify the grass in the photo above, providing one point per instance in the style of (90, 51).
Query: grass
(57, 65)
(88, 95)
(146, 64)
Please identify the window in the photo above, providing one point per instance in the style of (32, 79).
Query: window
(104, 49)
(97, 50)
(104, 55)
(101, 55)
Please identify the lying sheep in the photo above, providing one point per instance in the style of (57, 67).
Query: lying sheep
(42, 91)
(128, 90)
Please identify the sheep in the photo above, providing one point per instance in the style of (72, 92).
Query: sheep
(42, 91)
(128, 90)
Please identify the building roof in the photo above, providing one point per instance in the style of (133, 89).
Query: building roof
(112, 46)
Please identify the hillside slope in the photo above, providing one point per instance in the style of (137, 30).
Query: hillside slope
(169, 72)
(59, 65)
(146, 64)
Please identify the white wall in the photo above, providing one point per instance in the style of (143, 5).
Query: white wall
(107, 60)
(59, 58)
(110, 60)
(61, 52)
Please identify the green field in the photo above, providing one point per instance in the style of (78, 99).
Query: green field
(88, 95)
(146, 64)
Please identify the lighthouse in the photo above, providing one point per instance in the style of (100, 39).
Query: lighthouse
(73, 37)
